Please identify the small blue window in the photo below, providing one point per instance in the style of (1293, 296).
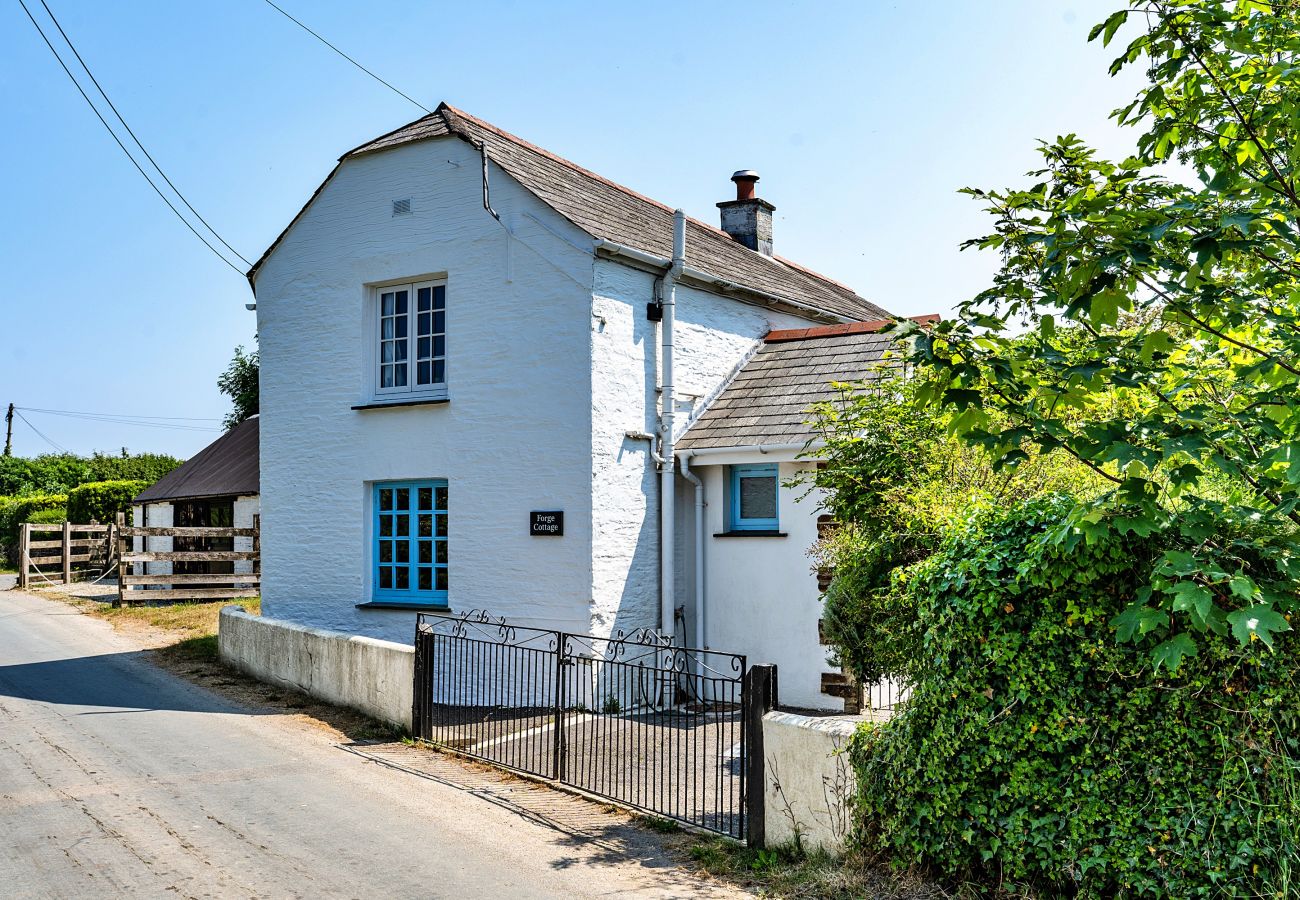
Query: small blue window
(411, 541)
(754, 498)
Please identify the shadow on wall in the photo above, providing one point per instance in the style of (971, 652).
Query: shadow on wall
(638, 604)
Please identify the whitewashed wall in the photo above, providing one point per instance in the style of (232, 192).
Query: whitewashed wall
(762, 597)
(809, 779)
(712, 336)
(514, 437)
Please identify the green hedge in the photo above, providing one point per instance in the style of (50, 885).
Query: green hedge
(16, 510)
(102, 500)
(48, 517)
(1037, 750)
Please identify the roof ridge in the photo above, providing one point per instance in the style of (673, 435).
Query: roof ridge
(450, 113)
(388, 134)
(555, 157)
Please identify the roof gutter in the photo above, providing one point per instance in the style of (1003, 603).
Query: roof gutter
(751, 448)
(722, 284)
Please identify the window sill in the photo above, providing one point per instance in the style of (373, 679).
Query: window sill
(402, 604)
(751, 534)
(385, 404)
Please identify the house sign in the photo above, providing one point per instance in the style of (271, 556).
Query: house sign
(546, 523)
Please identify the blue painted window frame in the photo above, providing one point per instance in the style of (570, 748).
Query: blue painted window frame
(738, 523)
(409, 546)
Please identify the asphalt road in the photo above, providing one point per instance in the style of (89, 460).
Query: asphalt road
(117, 778)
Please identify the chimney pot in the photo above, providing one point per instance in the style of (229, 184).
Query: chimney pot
(748, 218)
(746, 180)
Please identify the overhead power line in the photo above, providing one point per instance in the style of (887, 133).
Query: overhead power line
(141, 421)
(58, 447)
(73, 412)
(399, 93)
(148, 155)
(124, 149)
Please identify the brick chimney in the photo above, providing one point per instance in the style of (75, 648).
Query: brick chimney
(748, 218)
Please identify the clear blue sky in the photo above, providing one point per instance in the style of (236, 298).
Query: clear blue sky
(863, 118)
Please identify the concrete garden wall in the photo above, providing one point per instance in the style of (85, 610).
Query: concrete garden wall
(810, 782)
(366, 674)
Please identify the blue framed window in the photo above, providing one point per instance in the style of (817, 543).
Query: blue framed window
(753, 498)
(410, 562)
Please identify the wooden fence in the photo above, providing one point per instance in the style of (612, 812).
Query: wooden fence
(76, 551)
(150, 586)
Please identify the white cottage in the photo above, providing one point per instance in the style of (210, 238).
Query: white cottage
(492, 379)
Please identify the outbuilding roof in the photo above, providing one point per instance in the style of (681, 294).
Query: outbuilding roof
(228, 467)
(767, 402)
(609, 211)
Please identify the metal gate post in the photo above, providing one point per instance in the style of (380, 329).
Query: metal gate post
(759, 698)
(557, 749)
(420, 724)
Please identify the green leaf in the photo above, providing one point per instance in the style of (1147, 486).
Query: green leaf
(1260, 621)
(1242, 586)
(1188, 595)
(1171, 653)
(1137, 620)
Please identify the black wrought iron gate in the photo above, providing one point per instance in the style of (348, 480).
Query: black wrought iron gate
(654, 727)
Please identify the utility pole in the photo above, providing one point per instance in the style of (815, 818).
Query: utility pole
(9, 431)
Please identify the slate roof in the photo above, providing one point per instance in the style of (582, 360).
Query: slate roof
(608, 211)
(228, 467)
(767, 402)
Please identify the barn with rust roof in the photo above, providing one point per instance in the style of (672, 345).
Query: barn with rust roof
(493, 379)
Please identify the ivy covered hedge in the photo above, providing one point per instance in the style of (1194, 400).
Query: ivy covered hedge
(102, 500)
(1037, 750)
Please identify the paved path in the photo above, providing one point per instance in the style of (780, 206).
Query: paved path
(117, 778)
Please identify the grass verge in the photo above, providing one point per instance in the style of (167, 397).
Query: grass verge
(787, 872)
(194, 625)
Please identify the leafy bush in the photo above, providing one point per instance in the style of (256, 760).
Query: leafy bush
(896, 482)
(57, 473)
(1037, 750)
(102, 500)
(146, 467)
(48, 517)
(16, 510)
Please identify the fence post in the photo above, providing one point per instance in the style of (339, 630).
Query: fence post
(67, 552)
(759, 699)
(257, 550)
(24, 555)
(121, 559)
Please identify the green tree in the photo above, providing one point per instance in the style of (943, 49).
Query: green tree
(1163, 345)
(240, 383)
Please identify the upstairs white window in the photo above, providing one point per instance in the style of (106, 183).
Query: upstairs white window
(411, 340)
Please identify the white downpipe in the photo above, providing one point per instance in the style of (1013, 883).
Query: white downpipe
(668, 400)
(700, 630)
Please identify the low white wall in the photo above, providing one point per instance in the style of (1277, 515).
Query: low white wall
(810, 780)
(369, 675)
